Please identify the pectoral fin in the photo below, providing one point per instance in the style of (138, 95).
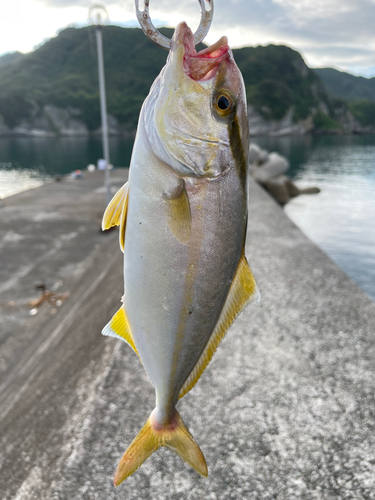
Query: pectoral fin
(243, 291)
(119, 327)
(116, 212)
(178, 212)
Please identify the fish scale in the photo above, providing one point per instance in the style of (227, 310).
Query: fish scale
(183, 218)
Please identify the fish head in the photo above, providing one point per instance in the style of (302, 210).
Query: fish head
(199, 109)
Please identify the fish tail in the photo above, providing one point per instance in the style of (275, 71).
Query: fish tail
(174, 435)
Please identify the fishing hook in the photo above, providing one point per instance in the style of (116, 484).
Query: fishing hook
(162, 41)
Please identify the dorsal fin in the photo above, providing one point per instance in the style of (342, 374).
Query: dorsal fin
(119, 328)
(243, 291)
(116, 212)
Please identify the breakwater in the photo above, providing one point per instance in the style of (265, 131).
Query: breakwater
(284, 409)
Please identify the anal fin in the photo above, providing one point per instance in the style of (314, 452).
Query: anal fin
(119, 327)
(243, 291)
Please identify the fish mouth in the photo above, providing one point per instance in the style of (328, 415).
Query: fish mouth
(202, 65)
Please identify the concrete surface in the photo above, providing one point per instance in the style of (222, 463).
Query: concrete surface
(286, 409)
(50, 236)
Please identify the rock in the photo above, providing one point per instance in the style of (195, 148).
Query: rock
(114, 127)
(257, 155)
(48, 122)
(323, 108)
(36, 125)
(276, 165)
(27, 129)
(65, 121)
(293, 190)
(277, 187)
(270, 174)
(346, 118)
(254, 152)
(309, 190)
(283, 189)
(258, 125)
(263, 156)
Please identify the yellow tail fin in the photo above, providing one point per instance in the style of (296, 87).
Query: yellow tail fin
(174, 436)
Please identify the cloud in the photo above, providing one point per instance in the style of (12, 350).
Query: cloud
(327, 32)
(336, 33)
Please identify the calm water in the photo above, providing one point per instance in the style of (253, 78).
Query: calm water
(341, 219)
(27, 162)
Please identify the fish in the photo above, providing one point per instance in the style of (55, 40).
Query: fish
(182, 220)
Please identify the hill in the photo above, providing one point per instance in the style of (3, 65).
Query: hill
(357, 90)
(55, 88)
(346, 86)
(10, 57)
(63, 73)
(277, 78)
(364, 112)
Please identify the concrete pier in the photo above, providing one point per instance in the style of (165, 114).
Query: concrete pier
(285, 410)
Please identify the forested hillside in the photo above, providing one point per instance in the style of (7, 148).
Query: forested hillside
(63, 72)
(62, 75)
(357, 90)
(11, 57)
(346, 86)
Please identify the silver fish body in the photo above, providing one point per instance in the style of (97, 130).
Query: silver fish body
(183, 223)
(174, 291)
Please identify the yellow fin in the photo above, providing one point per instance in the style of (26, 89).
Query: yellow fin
(179, 214)
(174, 436)
(113, 212)
(243, 291)
(119, 328)
(116, 212)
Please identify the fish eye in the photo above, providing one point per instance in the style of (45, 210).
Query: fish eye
(224, 102)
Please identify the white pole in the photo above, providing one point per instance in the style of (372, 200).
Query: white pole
(103, 110)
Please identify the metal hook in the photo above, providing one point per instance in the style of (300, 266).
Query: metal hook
(162, 41)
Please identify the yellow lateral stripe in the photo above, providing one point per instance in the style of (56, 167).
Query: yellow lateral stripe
(114, 211)
(120, 325)
(243, 291)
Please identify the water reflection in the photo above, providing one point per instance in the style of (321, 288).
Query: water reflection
(13, 180)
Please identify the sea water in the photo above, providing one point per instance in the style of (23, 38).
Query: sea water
(28, 162)
(340, 219)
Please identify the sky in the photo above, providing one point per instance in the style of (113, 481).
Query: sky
(328, 33)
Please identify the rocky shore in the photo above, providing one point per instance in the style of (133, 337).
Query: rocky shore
(345, 124)
(51, 121)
